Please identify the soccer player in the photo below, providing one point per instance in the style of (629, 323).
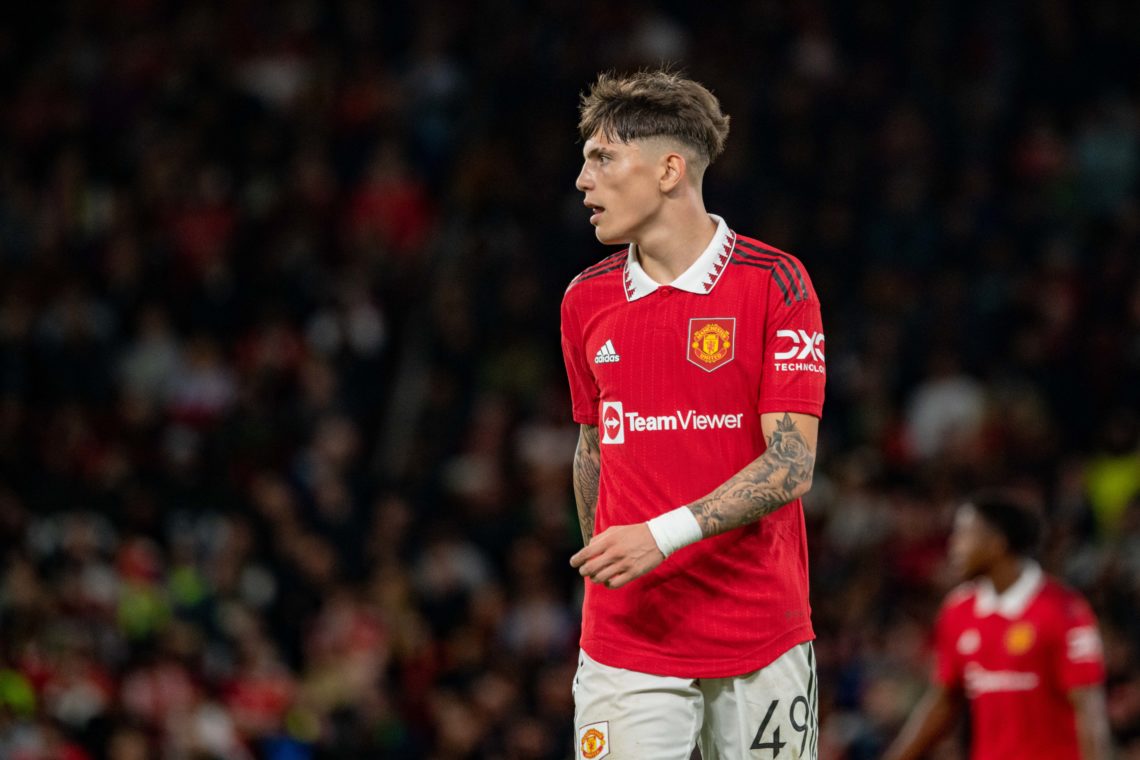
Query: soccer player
(696, 366)
(1020, 647)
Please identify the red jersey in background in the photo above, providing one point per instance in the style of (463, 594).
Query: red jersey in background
(1016, 656)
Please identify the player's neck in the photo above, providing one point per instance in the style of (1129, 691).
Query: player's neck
(669, 248)
(1005, 573)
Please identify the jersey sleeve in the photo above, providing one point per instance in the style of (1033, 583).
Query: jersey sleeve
(948, 670)
(794, 363)
(583, 388)
(1079, 655)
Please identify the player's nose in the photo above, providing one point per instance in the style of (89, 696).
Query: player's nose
(584, 181)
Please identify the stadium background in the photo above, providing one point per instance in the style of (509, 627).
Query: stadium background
(284, 433)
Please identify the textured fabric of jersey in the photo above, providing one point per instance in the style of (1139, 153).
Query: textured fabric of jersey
(676, 378)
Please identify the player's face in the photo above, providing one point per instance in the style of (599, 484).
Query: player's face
(621, 183)
(974, 545)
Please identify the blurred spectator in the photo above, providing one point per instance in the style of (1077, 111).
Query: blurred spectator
(945, 411)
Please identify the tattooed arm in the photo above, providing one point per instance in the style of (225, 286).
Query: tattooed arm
(587, 469)
(781, 474)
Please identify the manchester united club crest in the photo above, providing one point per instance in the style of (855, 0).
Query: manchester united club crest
(592, 740)
(712, 341)
(1020, 637)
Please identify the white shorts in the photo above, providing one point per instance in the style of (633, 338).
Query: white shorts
(771, 713)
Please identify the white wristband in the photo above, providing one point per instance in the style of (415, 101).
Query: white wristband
(675, 529)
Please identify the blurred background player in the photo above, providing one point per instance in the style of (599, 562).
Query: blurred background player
(1019, 646)
(696, 365)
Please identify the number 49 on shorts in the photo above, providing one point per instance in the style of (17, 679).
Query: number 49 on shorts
(799, 718)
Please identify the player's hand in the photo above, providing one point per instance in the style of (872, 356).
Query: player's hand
(618, 555)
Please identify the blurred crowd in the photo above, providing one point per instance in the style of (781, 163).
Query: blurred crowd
(285, 437)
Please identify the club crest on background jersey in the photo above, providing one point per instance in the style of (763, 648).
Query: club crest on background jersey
(1020, 637)
(712, 341)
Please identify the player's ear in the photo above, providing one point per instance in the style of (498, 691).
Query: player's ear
(673, 171)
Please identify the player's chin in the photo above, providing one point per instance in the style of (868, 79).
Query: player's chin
(609, 237)
(962, 570)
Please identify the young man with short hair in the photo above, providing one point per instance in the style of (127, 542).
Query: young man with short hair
(1020, 647)
(696, 366)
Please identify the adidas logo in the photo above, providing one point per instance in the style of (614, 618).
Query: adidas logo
(606, 354)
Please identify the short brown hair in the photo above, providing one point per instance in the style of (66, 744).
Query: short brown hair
(1011, 515)
(655, 104)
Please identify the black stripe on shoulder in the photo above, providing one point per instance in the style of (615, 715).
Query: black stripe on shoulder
(599, 272)
(771, 267)
(777, 264)
(788, 260)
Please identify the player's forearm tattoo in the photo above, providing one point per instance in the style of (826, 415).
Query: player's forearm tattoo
(587, 470)
(769, 482)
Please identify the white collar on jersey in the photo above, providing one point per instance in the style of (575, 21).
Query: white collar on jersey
(700, 278)
(1014, 600)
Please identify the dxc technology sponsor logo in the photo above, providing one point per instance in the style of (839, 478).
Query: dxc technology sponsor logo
(805, 353)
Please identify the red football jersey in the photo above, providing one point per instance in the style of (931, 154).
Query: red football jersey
(1017, 655)
(676, 378)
